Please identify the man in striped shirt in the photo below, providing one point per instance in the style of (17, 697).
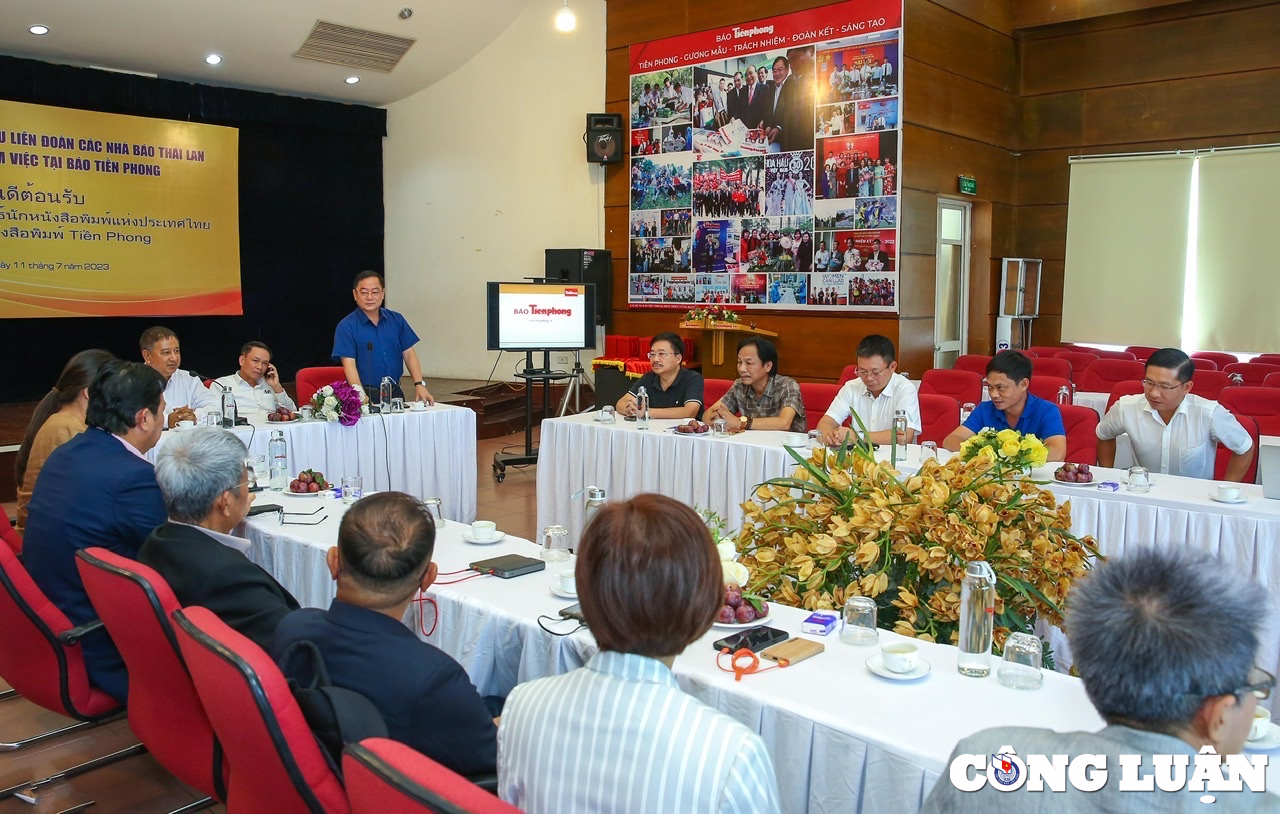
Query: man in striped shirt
(618, 734)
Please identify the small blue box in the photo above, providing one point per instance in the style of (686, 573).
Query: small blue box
(820, 623)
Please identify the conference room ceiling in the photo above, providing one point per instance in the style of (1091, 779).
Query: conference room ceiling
(257, 40)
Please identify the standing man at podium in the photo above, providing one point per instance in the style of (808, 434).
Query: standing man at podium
(375, 342)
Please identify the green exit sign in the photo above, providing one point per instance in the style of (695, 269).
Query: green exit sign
(968, 185)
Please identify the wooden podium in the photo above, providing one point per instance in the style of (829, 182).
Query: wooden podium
(714, 365)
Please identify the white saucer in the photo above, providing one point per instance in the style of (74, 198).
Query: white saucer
(1267, 742)
(875, 664)
(1057, 482)
(497, 537)
(741, 625)
(562, 593)
(1215, 498)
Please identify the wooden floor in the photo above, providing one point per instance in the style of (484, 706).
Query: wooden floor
(139, 784)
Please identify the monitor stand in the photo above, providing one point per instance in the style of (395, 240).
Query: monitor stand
(530, 374)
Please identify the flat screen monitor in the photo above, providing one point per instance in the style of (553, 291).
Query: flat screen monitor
(541, 316)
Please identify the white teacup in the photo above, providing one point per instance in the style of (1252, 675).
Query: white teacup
(899, 657)
(483, 530)
(1226, 492)
(568, 582)
(186, 424)
(417, 406)
(1261, 724)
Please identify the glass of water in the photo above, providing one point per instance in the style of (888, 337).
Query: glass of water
(1139, 479)
(928, 449)
(256, 468)
(859, 621)
(436, 508)
(720, 428)
(555, 543)
(352, 488)
(1021, 668)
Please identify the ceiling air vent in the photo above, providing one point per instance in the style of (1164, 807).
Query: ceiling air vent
(354, 47)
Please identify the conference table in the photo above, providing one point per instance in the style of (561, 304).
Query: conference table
(840, 737)
(426, 453)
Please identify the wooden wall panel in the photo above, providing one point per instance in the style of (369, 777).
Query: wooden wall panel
(632, 21)
(1055, 120)
(935, 159)
(994, 14)
(1028, 13)
(918, 285)
(1206, 44)
(915, 345)
(704, 14)
(617, 77)
(918, 218)
(1044, 176)
(944, 101)
(1042, 232)
(1051, 277)
(959, 45)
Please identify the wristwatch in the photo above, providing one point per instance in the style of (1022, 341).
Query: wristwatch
(421, 383)
(747, 426)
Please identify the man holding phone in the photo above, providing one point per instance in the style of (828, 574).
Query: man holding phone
(256, 385)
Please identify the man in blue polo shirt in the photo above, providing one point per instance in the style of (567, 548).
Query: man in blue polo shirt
(374, 342)
(1012, 407)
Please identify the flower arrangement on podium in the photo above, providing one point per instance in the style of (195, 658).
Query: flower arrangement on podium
(708, 314)
(1006, 449)
(846, 525)
(339, 402)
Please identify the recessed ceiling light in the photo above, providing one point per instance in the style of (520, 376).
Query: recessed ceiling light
(213, 59)
(351, 80)
(405, 13)
(39, 30)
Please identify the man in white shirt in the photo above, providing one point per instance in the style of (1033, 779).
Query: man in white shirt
(185, 396)
(1172, 430)
(875, 395)
(256, 386)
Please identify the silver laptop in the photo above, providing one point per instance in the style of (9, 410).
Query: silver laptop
(1269, 470)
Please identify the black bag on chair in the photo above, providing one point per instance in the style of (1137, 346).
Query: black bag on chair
(337, 716)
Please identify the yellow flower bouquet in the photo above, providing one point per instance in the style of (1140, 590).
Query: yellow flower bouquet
(846, 525)
(1006, 449)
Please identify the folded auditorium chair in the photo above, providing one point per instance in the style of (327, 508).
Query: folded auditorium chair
(939, 415)
(1253, 373)
(276, 763)
(1123, 355)
(1218, 358)
(386, 777)
(1141, 352)
(1048, 387)
(1081, 424)
(973, 363)
(136, 604)
(310, 379)
(964, 386)
(1105, 374)
(1051, 366)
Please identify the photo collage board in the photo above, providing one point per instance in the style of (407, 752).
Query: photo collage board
(765, 163)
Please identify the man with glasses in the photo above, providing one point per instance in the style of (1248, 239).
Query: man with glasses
(206, 492)
(1012, 406)
(375, 342)
(674, 391)
(1173, 430)
(1165, 642)
(876, 395)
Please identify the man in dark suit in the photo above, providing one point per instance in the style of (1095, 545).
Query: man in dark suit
(736, 102)
(98, 490)
(789, 118)
(879, 254)
(382, 558)
(206, 490)
(756, 101)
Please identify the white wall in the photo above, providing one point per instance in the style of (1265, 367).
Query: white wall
(486, 169)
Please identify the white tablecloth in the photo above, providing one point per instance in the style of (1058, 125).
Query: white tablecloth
(431, 453)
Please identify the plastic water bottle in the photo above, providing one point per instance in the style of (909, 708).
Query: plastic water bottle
(898, 450)
(384, 394)
(642, 409)
(228, 408)
(595, 499)
(1064, 395)
(977, 619)
(967, 410)
(278, 452)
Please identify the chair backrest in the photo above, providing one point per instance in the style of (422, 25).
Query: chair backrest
(1129, 387)
(310, 379)
(1141, 352)
(1104, 374)
(1081, 424)
(1272, 380)
(1210, 383)
(1253, 372)
(1267, 359)
(713, 390)
(847, 375)
(9, 534)
(817, 397)
(276, 763)
(1205, 364)
(1114, 354)
(1051, 366)
(1047, 387)
(1217, 357)
(1262, 404)
(135, 604)
(973, 363)
(961, 385)
(32, 658)
(1044, 351)
(939, 415)
(386, 776)
(1078, 359)
(1224, 454)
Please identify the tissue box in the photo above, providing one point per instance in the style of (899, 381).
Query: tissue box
(820, 623)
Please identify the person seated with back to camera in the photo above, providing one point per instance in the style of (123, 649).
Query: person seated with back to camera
(256, 385)
(205, 484)
(1013, 407)
(760, 398)
(650, 747)
(876, 394)
(674, 391)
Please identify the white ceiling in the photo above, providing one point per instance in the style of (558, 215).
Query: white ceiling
(256, 38)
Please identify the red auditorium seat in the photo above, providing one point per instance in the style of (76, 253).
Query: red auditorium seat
(1141, 352)
(817, 397)
(1079, 360)
(847, 375)
(972, 363)
(1262, 404)
(713, 390)
(310, 379)
(1114, 354)
(1105, 374)
(386, 777)
(1082, 437)
(1217, 357)
(1224, 454)
(1253, 372)
(1047, 387)
(961, 385)
(1045, 350)
(1131, 387)
(1051, 366)
(1272, 380)
(939, 415)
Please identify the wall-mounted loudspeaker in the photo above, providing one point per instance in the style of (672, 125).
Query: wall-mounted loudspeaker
(604, 138)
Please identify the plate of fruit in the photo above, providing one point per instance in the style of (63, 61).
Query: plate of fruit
(309, 483)
(693, 427)
(280, 415)
(1070, 474)
(740, 610)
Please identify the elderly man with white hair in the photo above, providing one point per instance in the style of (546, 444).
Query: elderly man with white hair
(206, 492)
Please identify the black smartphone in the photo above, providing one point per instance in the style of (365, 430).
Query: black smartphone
(264, 508)
(573, 612)
(629, 418)
(754, 639)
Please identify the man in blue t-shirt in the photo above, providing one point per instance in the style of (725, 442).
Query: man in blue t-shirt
(1012, 407)
(375, 342)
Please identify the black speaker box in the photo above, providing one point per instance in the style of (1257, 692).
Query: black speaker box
(604, 138)
(593, 266)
